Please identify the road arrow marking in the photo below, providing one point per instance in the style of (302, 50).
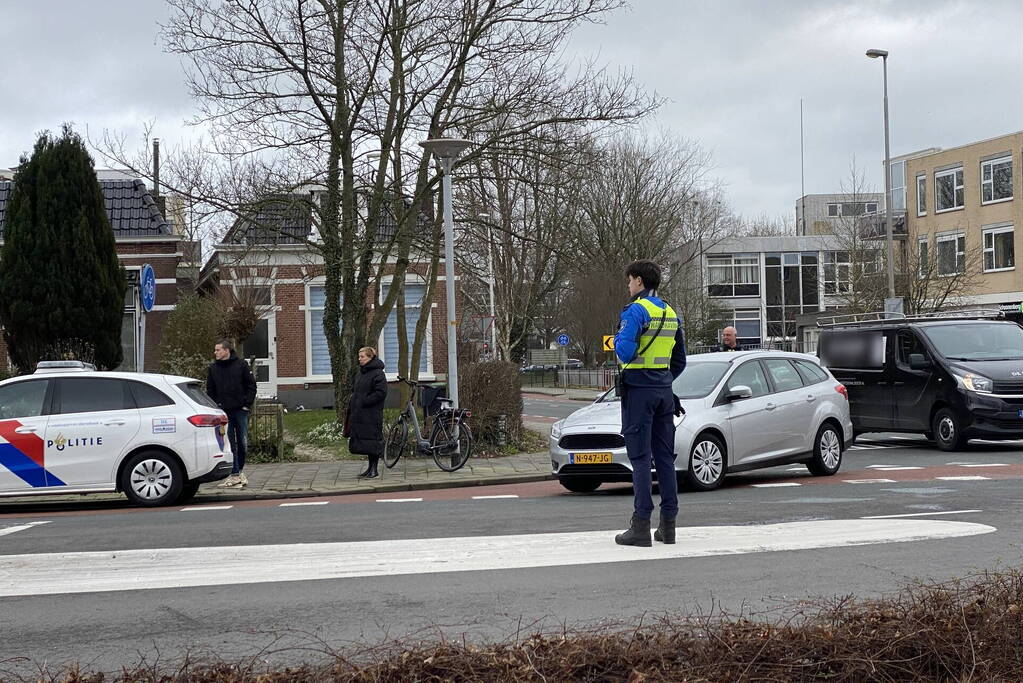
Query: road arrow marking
(120, 570)
(21, 527)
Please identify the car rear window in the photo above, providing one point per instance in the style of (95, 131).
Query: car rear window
(782, 373)
(147, 396)
(811, 372)
(194, 391)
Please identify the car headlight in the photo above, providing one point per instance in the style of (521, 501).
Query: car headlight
(556, 429)
(977, 383)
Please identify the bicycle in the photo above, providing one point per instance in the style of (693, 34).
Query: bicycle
(450, 441)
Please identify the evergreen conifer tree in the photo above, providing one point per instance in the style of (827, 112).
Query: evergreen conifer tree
(61, 286)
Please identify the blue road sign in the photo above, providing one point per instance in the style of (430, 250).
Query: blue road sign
(147, 288)
(563, 339)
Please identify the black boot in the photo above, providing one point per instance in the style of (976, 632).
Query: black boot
(665, 530)
(638, 533)
(371, 469)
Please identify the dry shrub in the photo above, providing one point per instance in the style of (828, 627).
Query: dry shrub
(490, 389)
(961, 630)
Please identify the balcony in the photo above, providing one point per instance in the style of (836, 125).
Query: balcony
(872, 226)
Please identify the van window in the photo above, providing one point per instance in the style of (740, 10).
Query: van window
(853, 349)
(783, 374)
(908, 343)
(977, 341)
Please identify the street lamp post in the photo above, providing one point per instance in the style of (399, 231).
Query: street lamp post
(883, 54)
(447, 151)
(490, 283)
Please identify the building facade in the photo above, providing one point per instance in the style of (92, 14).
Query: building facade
(827, 214)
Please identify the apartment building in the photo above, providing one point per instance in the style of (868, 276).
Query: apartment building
(827, 214)
(962, 207)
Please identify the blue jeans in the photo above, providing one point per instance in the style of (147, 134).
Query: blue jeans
(648, 425)
(237, 435)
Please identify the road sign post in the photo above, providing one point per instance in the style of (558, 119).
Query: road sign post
(608, 343)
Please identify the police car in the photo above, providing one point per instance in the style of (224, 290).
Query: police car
(70, 429)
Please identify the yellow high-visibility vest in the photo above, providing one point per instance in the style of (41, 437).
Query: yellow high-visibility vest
(655, 345)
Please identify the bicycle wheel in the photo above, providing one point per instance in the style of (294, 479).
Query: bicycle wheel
(396, 443)
(445, 454)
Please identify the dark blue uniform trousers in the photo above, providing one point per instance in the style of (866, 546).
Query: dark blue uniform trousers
(648, 426)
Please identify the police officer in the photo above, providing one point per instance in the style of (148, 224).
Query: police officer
(728, 340)
(651, 352)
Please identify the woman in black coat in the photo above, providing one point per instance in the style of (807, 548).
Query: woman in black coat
(366, 411)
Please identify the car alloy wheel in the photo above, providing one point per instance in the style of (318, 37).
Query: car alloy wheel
(707, 463)
(151, 479)
(831, 450)
(827, 451)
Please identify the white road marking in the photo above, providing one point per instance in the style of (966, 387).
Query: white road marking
(295, 505)
(777, 485)
(207, 507)
(858, 447)
(494, 497)
(796, 469)
(153, 568)
(399, 500)
(869, 481)
(923, 514)
(969, 478)
(869, 467)
(993, 464)
(21, 527)
(893, 469)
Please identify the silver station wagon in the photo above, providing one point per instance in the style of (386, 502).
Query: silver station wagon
(743, 411)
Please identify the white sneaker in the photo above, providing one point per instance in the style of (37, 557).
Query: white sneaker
(232, 480)
(243, 480)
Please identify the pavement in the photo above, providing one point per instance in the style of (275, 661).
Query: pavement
(340, 477)
(573, 394)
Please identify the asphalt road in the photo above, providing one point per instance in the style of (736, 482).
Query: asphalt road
(392, 571)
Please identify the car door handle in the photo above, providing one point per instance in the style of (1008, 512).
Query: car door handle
(770, 406)
(811, 398)
(114, 423)
(25, 430)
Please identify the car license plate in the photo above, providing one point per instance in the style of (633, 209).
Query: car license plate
(590, 458)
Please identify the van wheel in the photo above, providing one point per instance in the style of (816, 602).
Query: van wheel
(152, 478)
(706, 463)
(827, 451)
(948, 433)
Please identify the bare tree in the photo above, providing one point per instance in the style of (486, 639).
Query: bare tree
(942, 274)
(296, 93)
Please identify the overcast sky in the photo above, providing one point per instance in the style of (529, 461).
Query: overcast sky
(733, 72)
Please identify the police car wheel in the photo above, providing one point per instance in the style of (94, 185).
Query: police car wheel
(151, 478)
(707, 463)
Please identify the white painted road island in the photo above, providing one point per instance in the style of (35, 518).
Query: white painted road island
(89, 572)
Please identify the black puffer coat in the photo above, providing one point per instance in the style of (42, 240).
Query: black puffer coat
(366, 410)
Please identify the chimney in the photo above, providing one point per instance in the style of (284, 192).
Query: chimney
(156, 167)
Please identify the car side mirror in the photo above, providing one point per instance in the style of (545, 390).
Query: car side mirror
(917, 361)
(739, 392)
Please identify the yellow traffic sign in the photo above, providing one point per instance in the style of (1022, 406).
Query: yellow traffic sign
(609, 342)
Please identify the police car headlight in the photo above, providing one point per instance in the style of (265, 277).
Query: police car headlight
(556, 429)
(977, 383)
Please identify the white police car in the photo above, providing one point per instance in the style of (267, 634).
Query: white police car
(70, 429)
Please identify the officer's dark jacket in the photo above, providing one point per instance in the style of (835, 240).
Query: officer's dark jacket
(634, 319)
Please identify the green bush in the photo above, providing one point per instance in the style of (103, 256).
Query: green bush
(491, 390)
(192, 329)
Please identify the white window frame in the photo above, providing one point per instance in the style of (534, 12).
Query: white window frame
(958, 183)
(923, 259)
(750, 270)
(898, 185)
(867, 209)
(921, 194)
(837, 206)
(960, 255)
(992, 232)
(309, 308)
(831, 259)
(990, 163)
(428, 342)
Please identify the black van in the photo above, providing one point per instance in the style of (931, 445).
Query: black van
(950, 377)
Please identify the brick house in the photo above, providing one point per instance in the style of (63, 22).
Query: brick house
(142, 235)
(270, 256)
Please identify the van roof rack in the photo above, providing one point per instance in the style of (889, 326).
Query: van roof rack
(888, 317)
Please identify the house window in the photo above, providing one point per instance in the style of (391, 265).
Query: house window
(998, 249)
(871, 207)
(923, 248)
(733, 275)
(837, 267)
(413, 299)
(996, 180)
(318, 352)
(951, 253)
(898, 174)
(837, 209)
(948, 190)
(834, 210)
(921, 195)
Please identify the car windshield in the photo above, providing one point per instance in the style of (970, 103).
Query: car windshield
(696, 381)
(977, 341)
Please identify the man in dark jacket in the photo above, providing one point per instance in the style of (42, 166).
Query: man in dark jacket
(729, 342)
(366, 411)
(229, 382)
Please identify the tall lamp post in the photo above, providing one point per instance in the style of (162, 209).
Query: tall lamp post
(447, 151)
(490, 282)
(883, 54)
